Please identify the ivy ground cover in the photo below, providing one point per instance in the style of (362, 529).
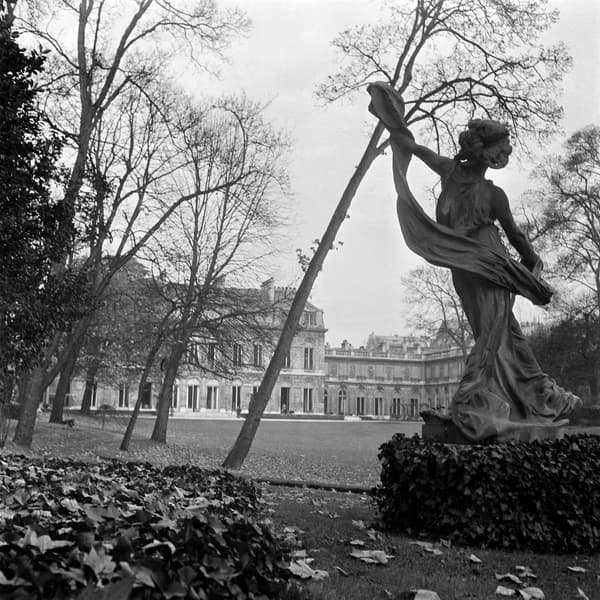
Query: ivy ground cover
(115, 530)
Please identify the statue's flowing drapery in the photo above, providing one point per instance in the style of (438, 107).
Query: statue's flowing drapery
(503, 391)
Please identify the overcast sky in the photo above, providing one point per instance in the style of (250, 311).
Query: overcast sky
(284, 57)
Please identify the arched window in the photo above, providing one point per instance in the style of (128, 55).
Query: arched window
(341, 402)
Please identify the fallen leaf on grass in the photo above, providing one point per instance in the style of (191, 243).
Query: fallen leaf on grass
(371, 556)
(532, 593)
(300, 568)
(474, 559)
(418, 595)
(508, 577)
(356, 543)
(360, 524)
(344, 573)
(424, 545)
(582, 594)
(577, 569)
(504, 591)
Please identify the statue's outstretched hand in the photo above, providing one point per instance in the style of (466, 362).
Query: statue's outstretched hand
(387, 105)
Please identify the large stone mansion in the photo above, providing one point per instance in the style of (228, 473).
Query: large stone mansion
(389, 377)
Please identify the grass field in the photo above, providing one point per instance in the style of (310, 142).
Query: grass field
(343, 452)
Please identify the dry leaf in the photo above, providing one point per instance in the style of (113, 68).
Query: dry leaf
(425, 595)
(474, 559)
(371, 556)
(344, 573)
(508, 577)
(577, 569)
(300, 568)
(532, 593)
(424, 545)
(582, 594)
(357, 543)
(504, 591)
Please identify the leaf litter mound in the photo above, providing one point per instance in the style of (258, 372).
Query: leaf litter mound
(114, 530)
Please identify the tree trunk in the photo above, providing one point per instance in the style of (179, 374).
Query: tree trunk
(159, 433)
(63, 387)
(259, 401)
(90, 378)
(138, 403)
(32, 386)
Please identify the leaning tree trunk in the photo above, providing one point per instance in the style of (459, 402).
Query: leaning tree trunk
(259, 401)
(159, 433)
(90, 379)
(62, 388)
(138, 403)
(30, 396)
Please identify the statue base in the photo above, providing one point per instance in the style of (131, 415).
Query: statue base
(439, 427)
(448, 433)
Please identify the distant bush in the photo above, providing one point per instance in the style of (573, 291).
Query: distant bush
(542, 496)
(115, 531)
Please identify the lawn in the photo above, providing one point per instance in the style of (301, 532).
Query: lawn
(344, 452)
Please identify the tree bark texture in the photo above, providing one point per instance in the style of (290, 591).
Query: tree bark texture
(62, 388)
(163, 406)
(30, 396)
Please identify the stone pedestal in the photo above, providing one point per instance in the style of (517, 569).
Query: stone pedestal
(447, 433)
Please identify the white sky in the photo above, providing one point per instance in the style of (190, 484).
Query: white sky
(284, 57)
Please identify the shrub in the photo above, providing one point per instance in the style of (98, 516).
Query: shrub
(541, 496)
(119, 530)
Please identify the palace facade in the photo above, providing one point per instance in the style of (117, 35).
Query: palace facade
(390, 377)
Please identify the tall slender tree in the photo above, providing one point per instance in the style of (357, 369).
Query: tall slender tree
(450, 60)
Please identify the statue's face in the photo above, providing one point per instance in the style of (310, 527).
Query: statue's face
(495, 155)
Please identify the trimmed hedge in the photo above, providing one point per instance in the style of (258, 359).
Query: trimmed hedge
(119, 531)
(540, 496)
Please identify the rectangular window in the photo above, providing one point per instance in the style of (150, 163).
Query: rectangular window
(211, 396)
(192, 356)
(124, 395)
(310, 319)
(309, 359)
(236, 397)
(360, 405)
(237, 355)
(94, 393)
(211, 354)
(175, 396)
(192, 399)
(287, 361)
(284, 404)
(147, 395)
(308, 400)
(396, 407)
(258, 356)
(378, 407)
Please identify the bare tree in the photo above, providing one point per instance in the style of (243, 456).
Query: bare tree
(566, 219)
(114, 49)
(435, 307)
(449, 59)
(221, 234)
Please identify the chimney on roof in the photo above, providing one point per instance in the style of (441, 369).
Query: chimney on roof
(268, 290)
